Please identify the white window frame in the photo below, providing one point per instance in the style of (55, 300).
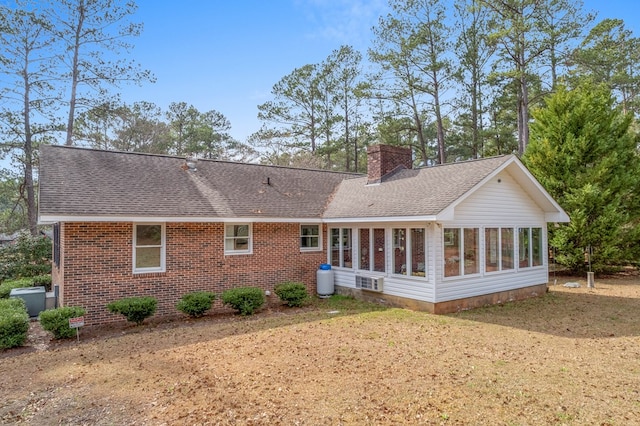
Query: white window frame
(342, 235)
(500, 249)
(162, 246)
(249, 249)
(529, 248)
(461, 247)
(408, 253)
(318, 235)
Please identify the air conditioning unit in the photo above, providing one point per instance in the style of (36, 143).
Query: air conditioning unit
(369, 283)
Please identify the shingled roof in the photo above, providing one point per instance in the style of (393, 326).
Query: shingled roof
(93, 185)
(103, 185)
(411, 192)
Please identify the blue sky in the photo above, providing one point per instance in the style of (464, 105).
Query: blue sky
(227, 55)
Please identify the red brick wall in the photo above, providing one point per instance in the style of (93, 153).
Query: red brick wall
(97, 265)
(382, 159)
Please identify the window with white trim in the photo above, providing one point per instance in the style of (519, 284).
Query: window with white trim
(238, 238)
(310, 238)
(341, 248)
(409, 254)
(148, 247)
(498, 244)
(461, 255)
(530, 247)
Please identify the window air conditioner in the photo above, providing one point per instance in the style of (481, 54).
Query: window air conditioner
(369, 283)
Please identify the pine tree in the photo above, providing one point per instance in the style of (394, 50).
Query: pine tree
(583, 152)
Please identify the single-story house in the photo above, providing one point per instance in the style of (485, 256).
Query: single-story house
(440, 238)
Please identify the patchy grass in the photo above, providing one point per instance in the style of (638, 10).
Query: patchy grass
(571, 357)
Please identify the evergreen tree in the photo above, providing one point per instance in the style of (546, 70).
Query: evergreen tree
(584, 154)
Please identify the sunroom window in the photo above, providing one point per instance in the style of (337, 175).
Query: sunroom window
(399, 259)
(341, 247)
(409, 251)
(498, 249)
(148, 247)
(461, 251)
(530, 247)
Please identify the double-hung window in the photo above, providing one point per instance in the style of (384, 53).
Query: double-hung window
(237, 238)
(310, 238)
(148, 247)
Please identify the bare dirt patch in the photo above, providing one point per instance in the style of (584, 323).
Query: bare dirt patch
(570, 357)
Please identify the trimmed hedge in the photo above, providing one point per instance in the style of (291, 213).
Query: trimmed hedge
(14, 323)
(245, 300)
(134, 309)
(292, 293)
(42, 281)
(196, 304)
(56, 321)
(7, 286)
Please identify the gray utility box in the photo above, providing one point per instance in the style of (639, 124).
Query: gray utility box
(34, 298)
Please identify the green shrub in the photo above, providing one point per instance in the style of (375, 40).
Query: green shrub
(196, 304)
(292, 293)
(7, 286)
(15, 303)
(42, 280)
(27, 257)
(14, 323)
(134, 309)
(245, 300)
(56, 321)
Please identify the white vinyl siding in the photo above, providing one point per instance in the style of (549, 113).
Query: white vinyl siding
(499, 204)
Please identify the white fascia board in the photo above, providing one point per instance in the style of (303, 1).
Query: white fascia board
(49, 219)
(559, 217)
(447, 214)
(430, 218)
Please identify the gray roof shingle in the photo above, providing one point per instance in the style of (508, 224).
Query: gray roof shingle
(410, 192)
(80, 182)
(86, 182)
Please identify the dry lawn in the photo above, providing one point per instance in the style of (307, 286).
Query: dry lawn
(571, 357)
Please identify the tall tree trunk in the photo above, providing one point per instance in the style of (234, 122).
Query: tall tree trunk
(523, 99)
(75, 72)
(28, 154)
(440, 128)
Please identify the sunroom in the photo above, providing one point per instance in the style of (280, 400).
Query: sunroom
(451, 236)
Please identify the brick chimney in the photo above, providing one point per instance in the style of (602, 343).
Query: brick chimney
(382, 159)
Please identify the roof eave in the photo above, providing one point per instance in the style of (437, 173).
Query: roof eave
(424, 218)
(47, 219)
